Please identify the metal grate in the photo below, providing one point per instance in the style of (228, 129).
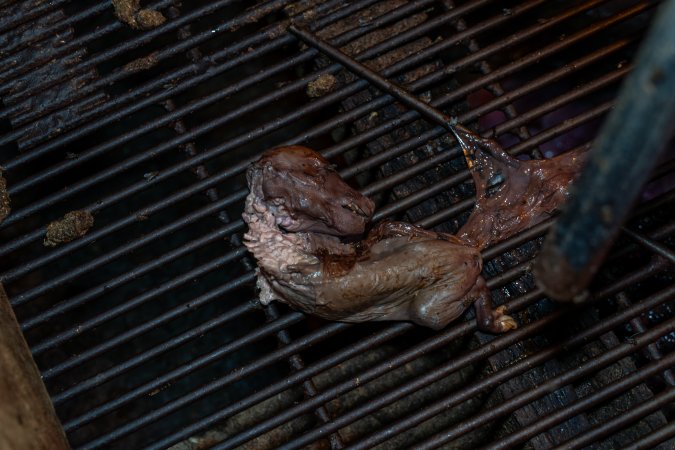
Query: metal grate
(146, 328)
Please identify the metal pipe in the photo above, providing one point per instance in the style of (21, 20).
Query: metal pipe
(374, 78)
(629, 145)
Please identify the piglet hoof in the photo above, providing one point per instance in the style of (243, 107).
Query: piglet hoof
(501, 322)
(496, 321)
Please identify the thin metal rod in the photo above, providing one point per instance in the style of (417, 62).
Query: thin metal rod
(80, 358)
(599, 362)
(139, 330)
(204, 211)
(32, 236)
(463, 395)
(424, 109)
(391, 88)
(236, 375)
(135, 94)
(550, 133)
(134, 302)
(194, 303)
(50, 343)
(625, 152)
(203, 69)
(654, 438)
(603, 395)
(308, 386)
(188, 398)
(652, 351)
(509, 69)
(522, 302)
(326, 363)
(621, 421)
(515, 305)
(498, 130)
(175, 341)
(106, 286)
(156, 262)
(47, 258)
(25, 16)
(620, 318)
(150, 35)
(385, 85)
(141, 212)
(52, 29)
(455, 332)
(650, 244)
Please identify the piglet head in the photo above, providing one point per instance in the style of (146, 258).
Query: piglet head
(306, 194)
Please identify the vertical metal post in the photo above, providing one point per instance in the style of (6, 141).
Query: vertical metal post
(620, 162)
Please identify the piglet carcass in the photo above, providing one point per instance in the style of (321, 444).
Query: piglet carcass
(304, 228)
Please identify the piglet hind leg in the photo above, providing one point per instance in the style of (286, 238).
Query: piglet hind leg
(488, 319)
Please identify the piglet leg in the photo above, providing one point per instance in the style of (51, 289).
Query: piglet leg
(488, 319)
